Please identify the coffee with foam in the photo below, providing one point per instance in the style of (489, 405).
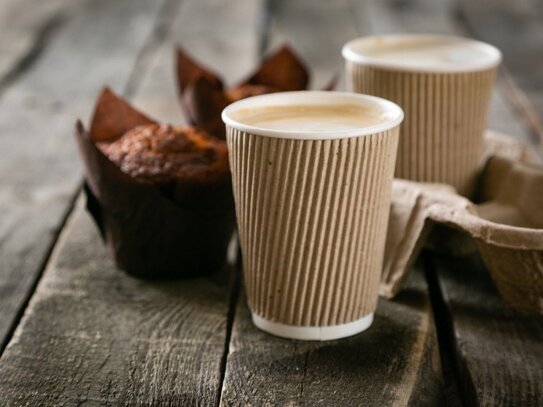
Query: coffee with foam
(312, 117)
(427, 53)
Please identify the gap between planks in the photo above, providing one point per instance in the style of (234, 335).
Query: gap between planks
(43, 34)
(41, 269)
(25, 35)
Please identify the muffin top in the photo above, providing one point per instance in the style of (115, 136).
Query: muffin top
(161, 153)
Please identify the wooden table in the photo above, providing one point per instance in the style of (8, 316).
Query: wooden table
(76, 331)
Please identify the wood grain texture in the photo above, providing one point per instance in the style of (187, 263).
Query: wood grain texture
(516, 27)
(25, 26)
(499, 352)
(394, 363)
(92, 335)
(40, 175)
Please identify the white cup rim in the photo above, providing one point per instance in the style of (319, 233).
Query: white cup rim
(351, 52)
(313, 97)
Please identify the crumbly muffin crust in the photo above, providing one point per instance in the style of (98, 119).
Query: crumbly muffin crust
(161, 153)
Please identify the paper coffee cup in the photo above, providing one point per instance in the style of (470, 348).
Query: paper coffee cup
(312, 210)
(444, 85)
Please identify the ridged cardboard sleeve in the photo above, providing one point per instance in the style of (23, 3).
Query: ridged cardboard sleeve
(445, 117)
(312, 219)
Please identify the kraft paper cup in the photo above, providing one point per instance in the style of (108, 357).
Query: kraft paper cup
(312, 211)
(445, 107)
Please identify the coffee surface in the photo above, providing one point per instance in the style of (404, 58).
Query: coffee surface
(318, 118)
(436, 52)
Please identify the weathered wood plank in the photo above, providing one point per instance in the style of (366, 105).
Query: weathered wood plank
(92, 334)
(39, 173)
(396, 361)
(499, 352)
(516, 27)
(25, 26)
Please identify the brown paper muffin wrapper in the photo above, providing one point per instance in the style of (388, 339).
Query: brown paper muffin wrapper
(203, 95)
(181, 230)
(505, 223)
(312, 220)
(445, 116)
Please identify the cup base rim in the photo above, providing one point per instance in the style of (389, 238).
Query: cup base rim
(313, 333)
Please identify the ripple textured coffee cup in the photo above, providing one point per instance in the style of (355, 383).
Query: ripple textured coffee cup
(312, 207)
(444, 85)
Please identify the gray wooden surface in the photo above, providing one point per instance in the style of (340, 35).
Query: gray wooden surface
(94, 336)
(90, 335)
(498, 353)
(395, 363)
(25, 34)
